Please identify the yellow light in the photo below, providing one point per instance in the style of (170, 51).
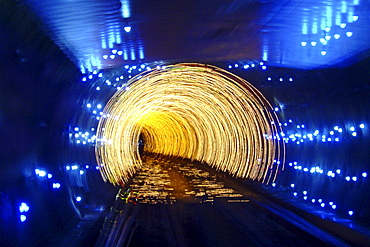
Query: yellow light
(194, 111)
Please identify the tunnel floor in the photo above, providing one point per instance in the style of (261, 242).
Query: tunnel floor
(174, 202)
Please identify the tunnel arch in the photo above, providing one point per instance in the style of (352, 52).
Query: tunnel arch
(194, 111)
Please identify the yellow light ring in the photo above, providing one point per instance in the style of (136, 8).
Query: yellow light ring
(193, 111)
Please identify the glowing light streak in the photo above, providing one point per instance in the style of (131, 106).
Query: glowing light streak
(192, 111)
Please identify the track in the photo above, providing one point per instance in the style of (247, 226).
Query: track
(172, 202)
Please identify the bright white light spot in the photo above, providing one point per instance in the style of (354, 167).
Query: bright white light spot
(77, 129)
(334, 206)
(313, 43)
(68, 168)
(338, 171)
(327, 37)
(322, 205)
(352, 128)
(112, 56)
(273, 184)
(56, 185)
(90, 76)
(114, 51)
(280, 79)
(236, 65)
(303, 43)
(78, 198)
(350, 212)
(100, 75)
(84, 79)
(342, 25)
(23, 207)
(105, 56)
(354, 178)
(23, 218)
(97, 88)
(349, 34)
(364, 174)
(336, 139)
(290, 79)
(99, 106)
(50, 175)
(81, 172)
(246, 66)
(88, 105)
(320, 200)
(264, 67)
(127, 29)
(292, 185)
(354, 134)
(276, 109)
(327, 29)
(305, 169)
(348, 178)
(253, 65)
(355, 18)
(313, 200)
(305, 198)
(295, 193)
(362, 126)
(323, 53)
(42, 173)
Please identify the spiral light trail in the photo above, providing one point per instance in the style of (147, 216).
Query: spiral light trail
(194, 111)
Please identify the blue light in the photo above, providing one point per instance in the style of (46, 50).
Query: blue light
(280, 79)
(127, 29)
(78, 198)
(290, 79)
(264, 67)
(273, 184)
(276, 109)
(305, 198)
(56, 185)
(246, 66)
(350, 212)
(304, 192)
(87, 166)
(295, 193)
(334, 206)
(364, 174)
(269, 78)
(322, 205)
(23, 218)
(313, 200)
(23, 207)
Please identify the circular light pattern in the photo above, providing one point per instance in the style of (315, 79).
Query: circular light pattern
(193, 111)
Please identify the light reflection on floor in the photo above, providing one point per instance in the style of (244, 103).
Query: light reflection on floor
(165, 180)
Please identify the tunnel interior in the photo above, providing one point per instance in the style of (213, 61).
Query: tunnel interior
(51, 110)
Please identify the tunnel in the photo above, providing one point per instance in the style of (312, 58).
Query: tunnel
(197, 123)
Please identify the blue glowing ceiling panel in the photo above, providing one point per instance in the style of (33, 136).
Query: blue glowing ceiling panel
(301, 34)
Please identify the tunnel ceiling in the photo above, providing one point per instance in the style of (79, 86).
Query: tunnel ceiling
(104, 34)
